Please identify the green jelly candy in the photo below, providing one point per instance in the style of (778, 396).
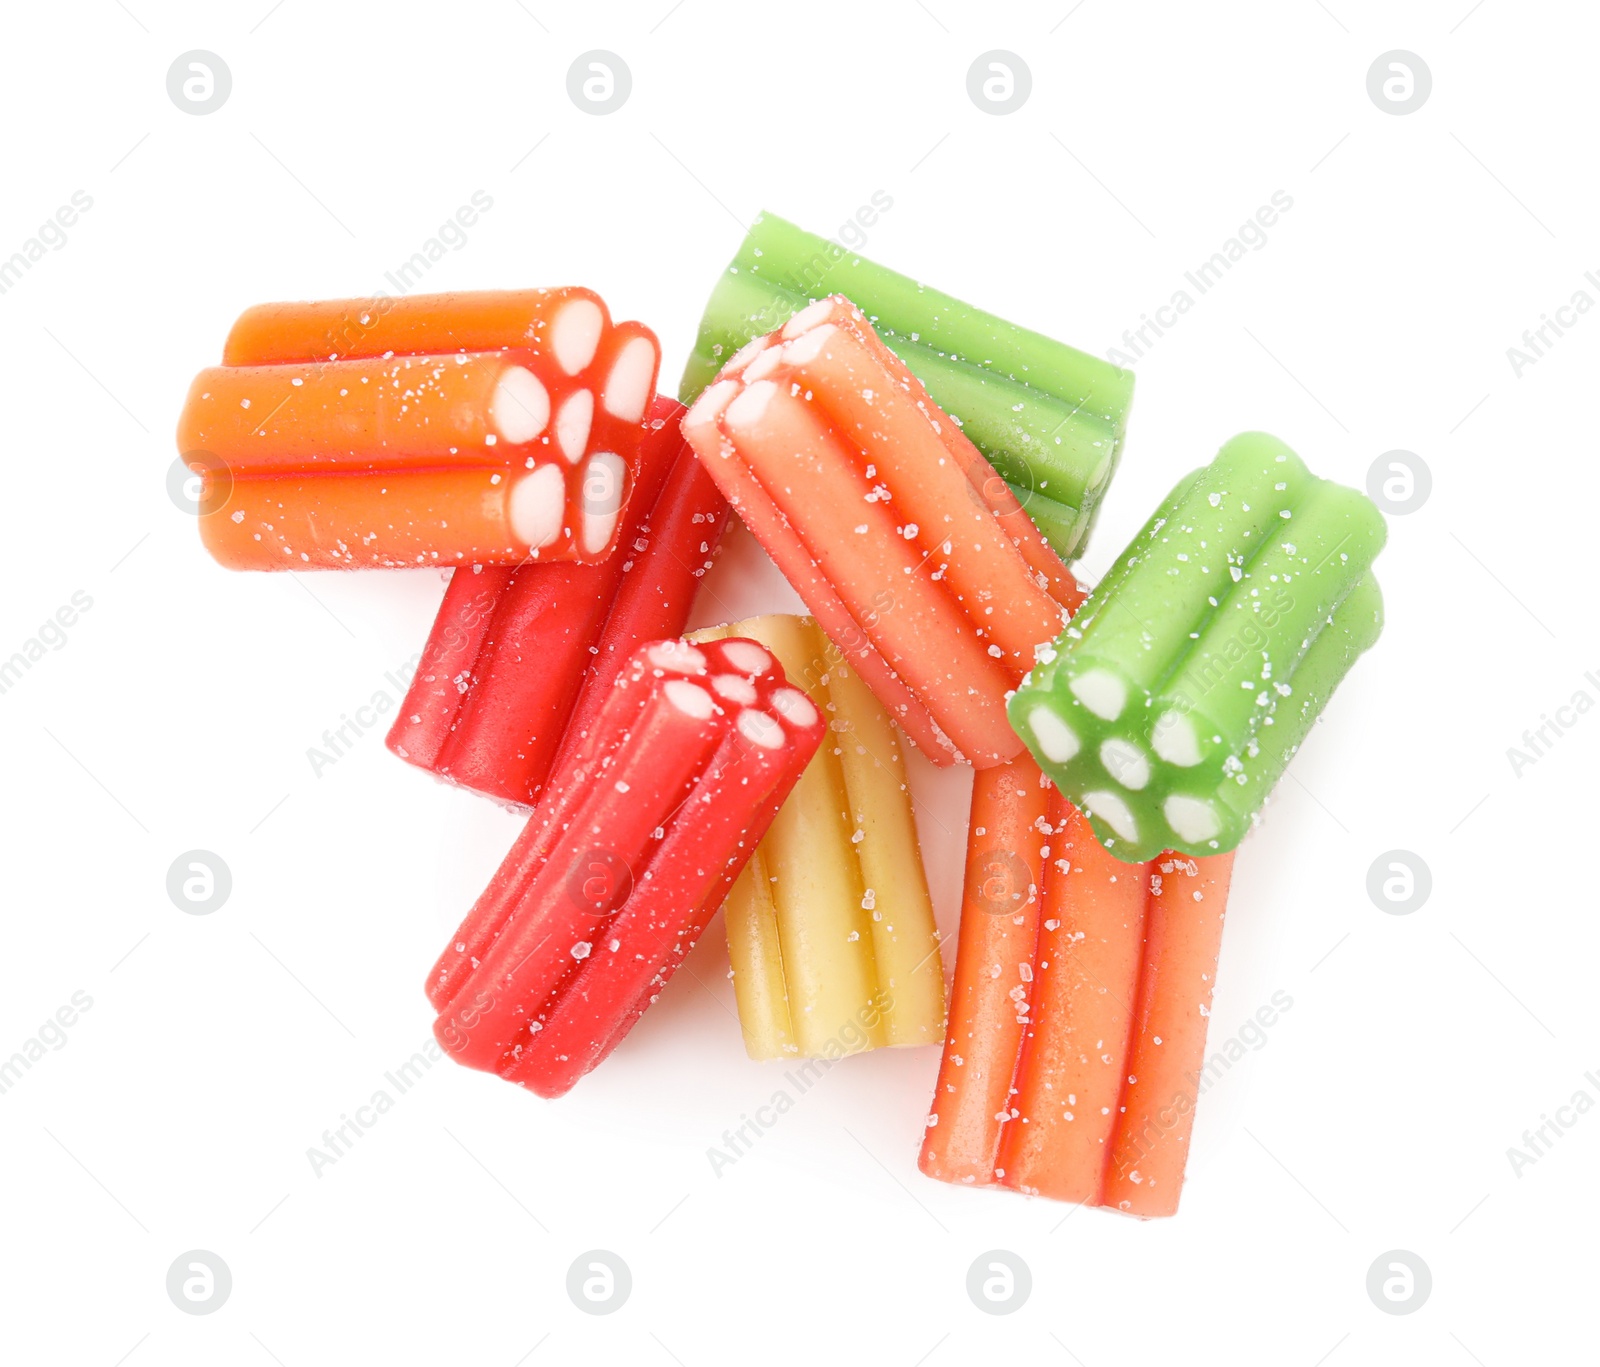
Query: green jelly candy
(1049, 418)
(1171, 705)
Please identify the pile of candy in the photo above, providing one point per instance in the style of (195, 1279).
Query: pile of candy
(920, 471)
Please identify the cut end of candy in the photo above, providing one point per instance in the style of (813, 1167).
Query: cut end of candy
(747, 656)
(760, 729)
(678, 656)
(573, 423)
(1193, 818)
(793, 705)
(1125, 762)
(603, 479)
(1173, 738)
(751, 406)
(1058, 741)
(538, 504)
(688, 698)
(734, 688)
(817, 311)
(575, 334)
(1112, 810)
(628, 386)
(1102, 692)
(521, 405)
(805, 349)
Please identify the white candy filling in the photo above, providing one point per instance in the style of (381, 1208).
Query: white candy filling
(1125, 762)
(808, 347)
(1102, 692)
(521, 405)
(747, 657)
(1114, 812)
(818, 311)
(1054, 737)
(572, 425)
(745, 354)
(628, 384)
(575, 334)
(734, 689)
(794, 705)
(676, 655)
(1193, 818)
(764, 364)
(1174, 739)
(688, 698)
(760, 729)
(603, 479)
(538, 506)
(711, 403)
(748, 409)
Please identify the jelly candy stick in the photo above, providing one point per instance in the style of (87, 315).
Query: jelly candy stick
(1172, 703)
(519, 658)
(382, 457)
(830, 926)
(885, 520)
(624, 860)
(1000, 914)
(1082, 989)
(1049, 418)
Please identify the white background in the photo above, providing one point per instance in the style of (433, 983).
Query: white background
(1379, 1111)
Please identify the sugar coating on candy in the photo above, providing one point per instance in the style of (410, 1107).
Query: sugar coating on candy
(858, 486)
(831, 922)
(409, 443)
(559, 956)
(521, 405)
(575, 334)
(1205, 654)
(1050, 419)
